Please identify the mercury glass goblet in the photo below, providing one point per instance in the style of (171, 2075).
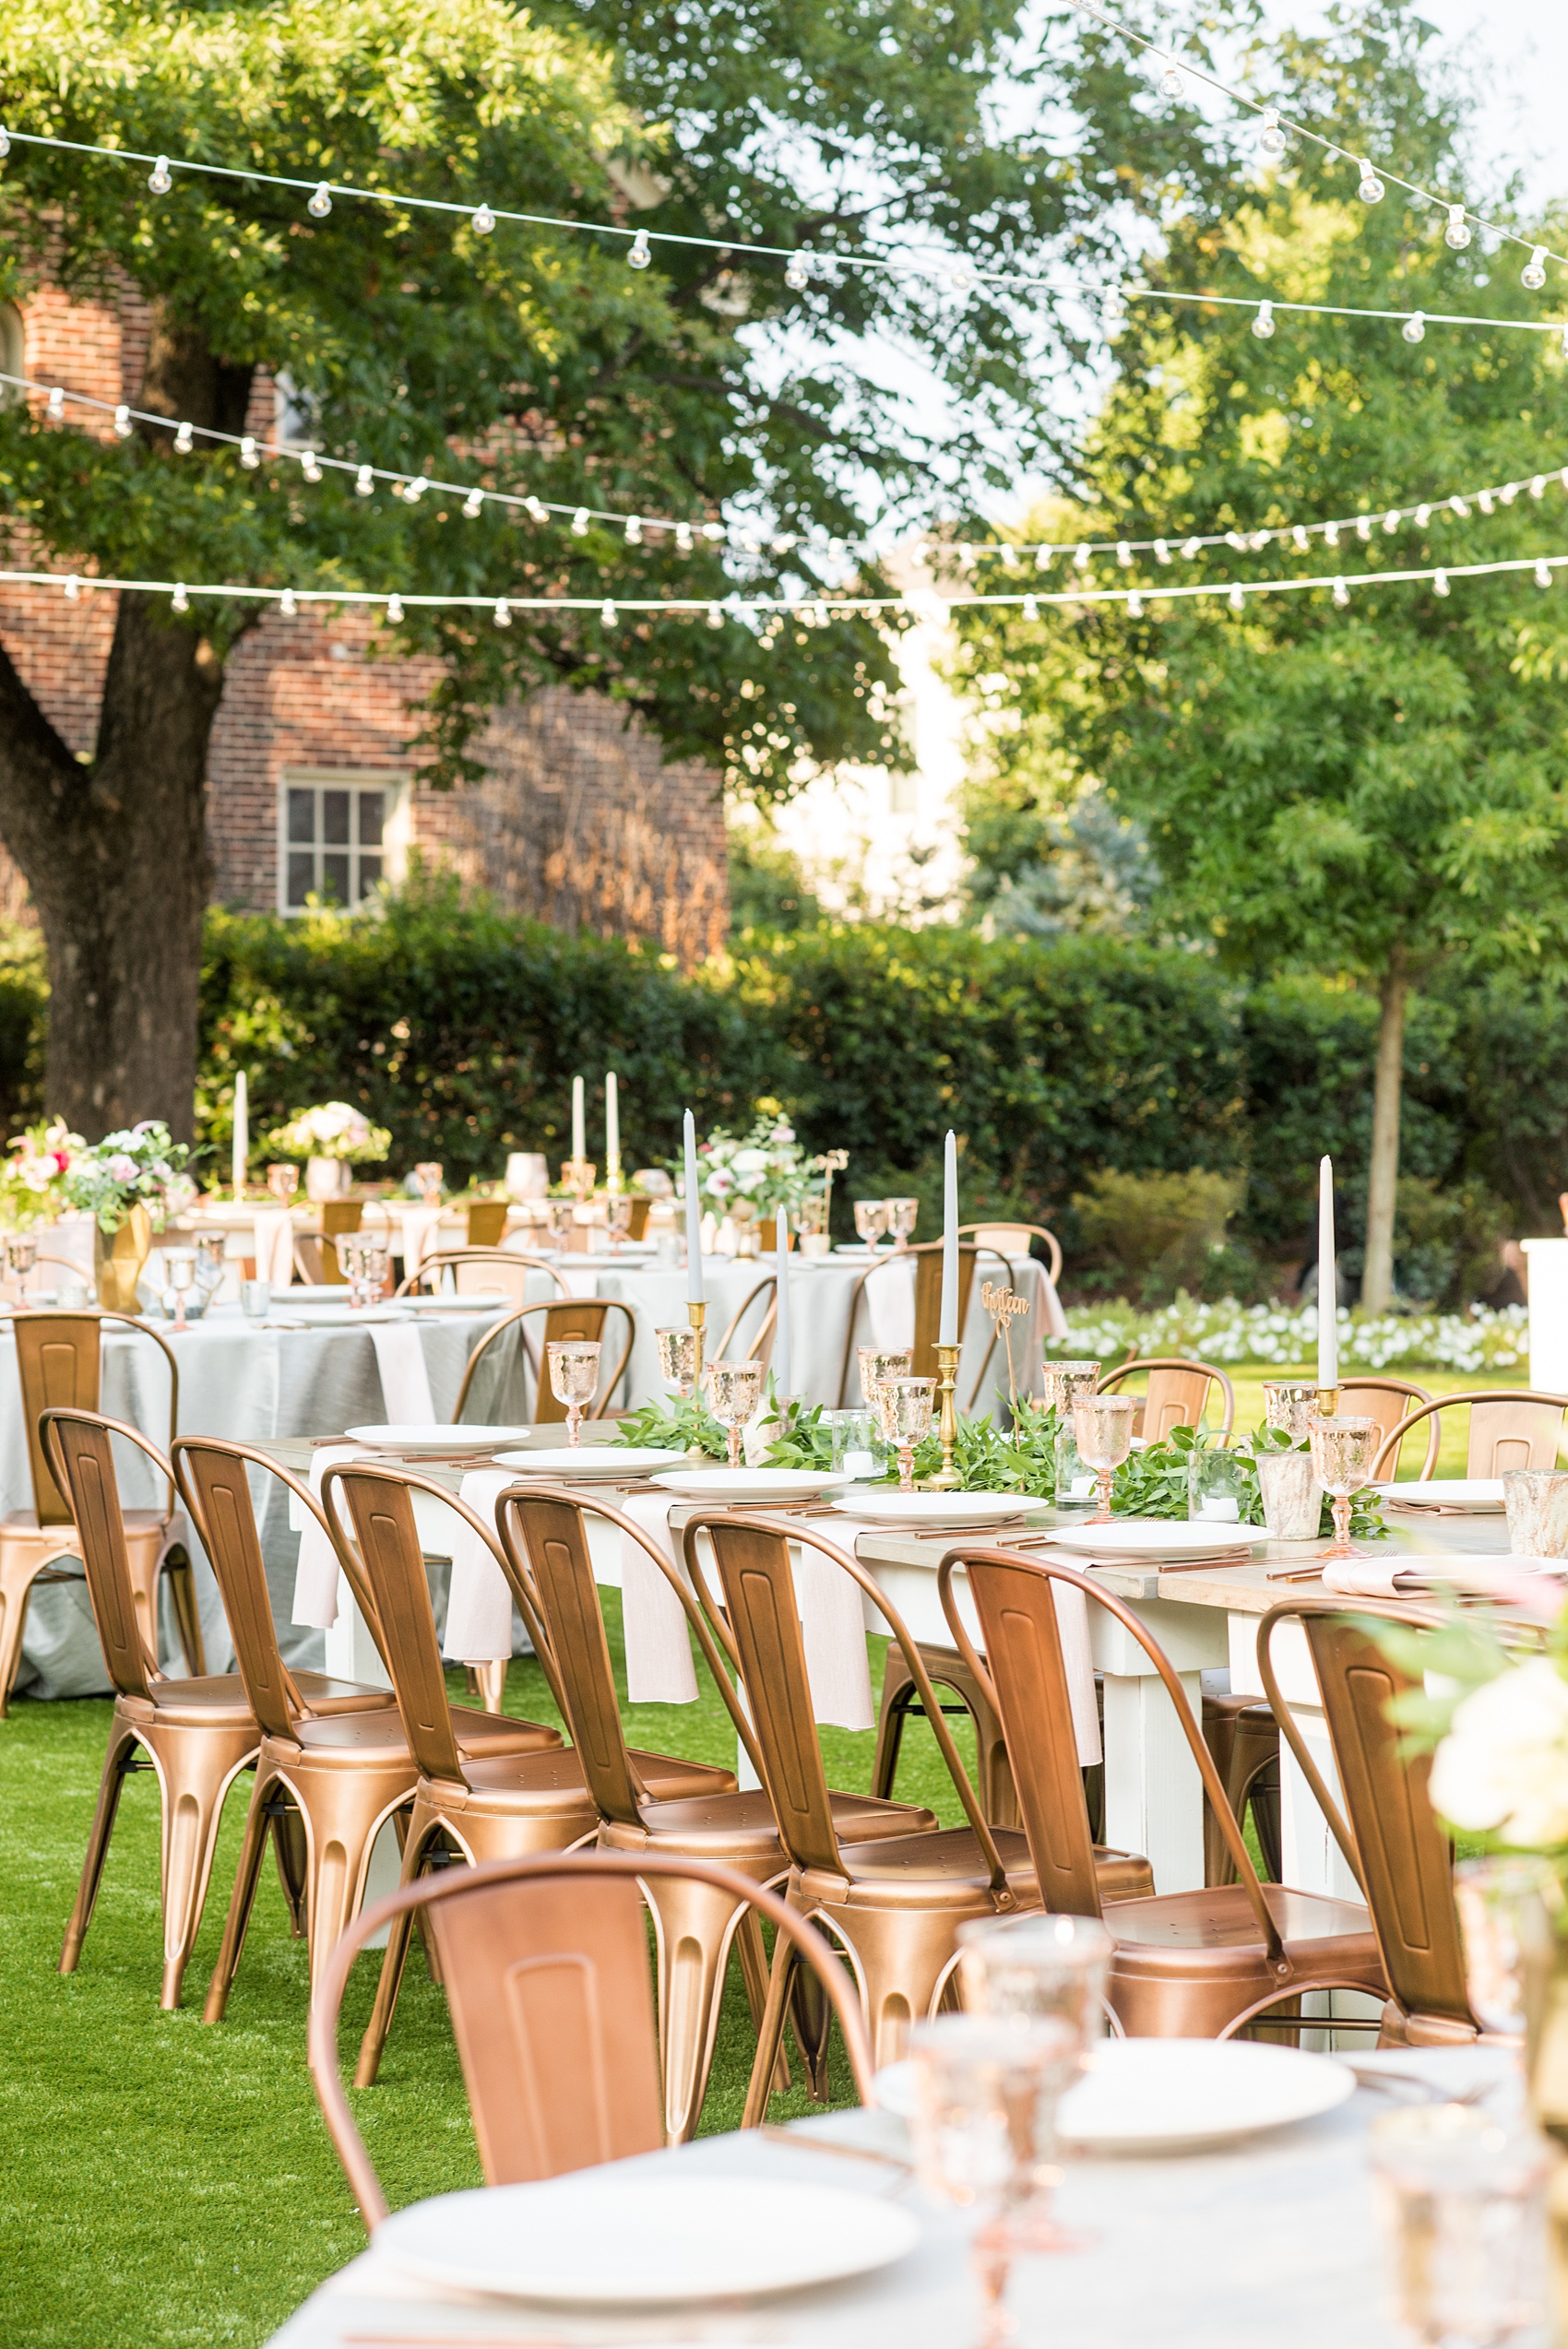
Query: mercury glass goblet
(559, 1215)
(1289, 1404)
(429, 1175)
(986, 2088)
(1461, 2195)
(374, 1259)
(618, 1214)
(870, 1219)
(904, 1406)
(902, 1216)
(349, 1248)
(573, 1377)
(209, 1252)
(880, 1362)
(283, 1181)
(734, 1390)
(678, 1360)
(1343, 1452)
(181, 1262)
(21, 1256)
(1103, 1430)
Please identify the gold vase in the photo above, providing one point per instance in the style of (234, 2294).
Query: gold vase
(118, 1260)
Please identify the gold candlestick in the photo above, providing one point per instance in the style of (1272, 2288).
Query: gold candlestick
(947, 1479)
(696, 1315)
(1328, 1402)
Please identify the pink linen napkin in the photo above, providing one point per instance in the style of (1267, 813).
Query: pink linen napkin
(659, 1650)
(1405, 1576)
(274, 1246)
(315, 1575)
(479, 1605)
(405, 1382)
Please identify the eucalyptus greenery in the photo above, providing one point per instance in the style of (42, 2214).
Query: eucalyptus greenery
(675, 1423)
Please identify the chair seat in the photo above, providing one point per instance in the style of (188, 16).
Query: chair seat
(550, 1774)
(351, 1738)
(326, 1695)
(1210, 1925)
(140, 1525)
(743, 1824)
(932, 1871)
(1191, 1966)
(217, 1701)
(1123, 1876)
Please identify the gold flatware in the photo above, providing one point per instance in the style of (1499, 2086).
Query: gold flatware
(798, 2143)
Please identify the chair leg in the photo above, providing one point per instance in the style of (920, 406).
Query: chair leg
(345, 1816)
(753, 1974)
(896, 1697)
(194, 1768)
(417, 1855)
(16, 1580)
(770, 2035)
(257, 1821)
(696, 1923)
(294, 1861)
(490, 1682)
(118, 1762)
(187, 1618)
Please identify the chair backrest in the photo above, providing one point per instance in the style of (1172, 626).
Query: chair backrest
(1387, 1400)
(764, 1621)
(486, 1224)
(1013, 1240)
(642, 1207)
(476, 1270)
(60, 1363)
(563, 1318)
(316, 1260)
(1178, 1393)
(78, 1448)
(1511, 1426)
(1014, 1599)
(546, 1966)
(1393, 1842)
(544, 1536)
(760, 1348)
(212, 1474)
(928, 1299)
(381, 1506)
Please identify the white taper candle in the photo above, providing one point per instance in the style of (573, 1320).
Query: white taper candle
(694, 1217)
(781, 1328)
(242, 1131)
(611, 1125)
(947, 1329)
(1327, 1280)
(580, 1131)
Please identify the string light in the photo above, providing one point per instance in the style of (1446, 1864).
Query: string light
(394, 608)
(1371, 190)
(180, 601)
(320, 203)
(1543, 574)
(640, 253)
(502, 615)
(797, 275)
(1263, 325)
(471, 503)
(1457, 233)
(287, 604)
(182, 441)
(250, 456)
(1440, 583)
(56, 408)
(160, 179)
(364, 483)
(1341, 594)
(483, 221)
(1415, 327)
(1273, 141)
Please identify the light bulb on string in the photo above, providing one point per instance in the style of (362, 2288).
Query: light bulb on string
(250, 456)
(320, 202)
(1237, 600)
(1234, 539)
(1440, 583)
(1538, 487)
(1123, 554)
(1415, 327)
(55, 408)
(4, 142)
(634, 530)
(73, 587)
(1391, 521)
(1134, 606)
(607, 614)
(1533, 274)
(797, 275)
(1299, 536)
(1259, 540)
(715, 616)
(160, 179)
(502, 615)
(1263, 325)
(179, 600)
(683, 537)
(413, 490)
(123, 422)
(1272, 140)
(1422, 516)
(1162, 552)
(483, 221)
(1457, 505)
(1371, 190)
(1341, 594)
(1508, 493)
(1044, 557)
(472, 504)
(1483, 498)
(1363, 526)
(1543, 574)
(287, 604)
(308, 465)
(1171, 86)
(1031, 609)
(1331, 534)
(580, 523)
(1084, 557)
(182, 441)
(364, 481)
(1190, 546)
(394, 608)
(1457, 233)
(640, 254)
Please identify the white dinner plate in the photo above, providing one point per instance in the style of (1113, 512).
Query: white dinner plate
(750, 1484)
(886, 1505)
(433, 1437)
(593, 2238)
(600, 1462)
(1158, 1537)
(1176, 2095)
(1477, 1496)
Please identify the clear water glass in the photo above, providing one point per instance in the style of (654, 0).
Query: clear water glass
(870, 1219)
(1461, 2196)
(880, 1362)
(1219, 1485)
(573, 1364)
(21, 1256)
(854, 1438)
(1065, 1382)
(428, 1176)
(1289, 1404)
(1292, 1497)
(902, 1217)
(255, 1299)
(1038, 1966)
(1103, 1430)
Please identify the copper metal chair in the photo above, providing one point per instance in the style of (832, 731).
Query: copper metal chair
(577, 1317)
(546, 1966)
(315, 1258)
(1243, 1738)
(1511, 1426)
(196, 1734)
(478, 1807)
(760, 1345)
(901, 1699)
(1392, 1842)
(476, 1270)
(1178, 1393)
(1387, 1400)
(927, 1261)
(485, 1222)
(1187, 1966)
(60, 1362)
(1004, 1235)
(344, 1774)
(894, 1904)
(544, 1536)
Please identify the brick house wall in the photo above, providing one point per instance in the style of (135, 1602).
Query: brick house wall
(578, 821)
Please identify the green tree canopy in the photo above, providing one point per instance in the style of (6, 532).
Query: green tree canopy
(1366, 789)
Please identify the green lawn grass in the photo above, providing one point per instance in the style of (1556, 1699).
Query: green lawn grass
(1248, 1383)
(168, 2183)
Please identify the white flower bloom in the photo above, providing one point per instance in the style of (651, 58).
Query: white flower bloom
(1503, 1765)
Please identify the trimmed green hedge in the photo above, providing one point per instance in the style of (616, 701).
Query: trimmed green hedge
(459, 1027)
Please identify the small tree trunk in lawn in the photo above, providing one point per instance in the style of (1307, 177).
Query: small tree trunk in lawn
(1377, 1279)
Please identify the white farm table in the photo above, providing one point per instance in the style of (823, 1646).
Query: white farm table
(1271, 2239)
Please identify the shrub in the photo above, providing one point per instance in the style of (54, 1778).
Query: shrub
(1155, 1233)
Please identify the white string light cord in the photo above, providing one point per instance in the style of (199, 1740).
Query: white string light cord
(960, 274)
(1276, 123)
(814, 610)
(411, 487)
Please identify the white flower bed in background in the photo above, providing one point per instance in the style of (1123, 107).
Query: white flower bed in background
(1272, 1335)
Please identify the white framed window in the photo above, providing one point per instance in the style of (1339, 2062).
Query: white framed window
(341, 832)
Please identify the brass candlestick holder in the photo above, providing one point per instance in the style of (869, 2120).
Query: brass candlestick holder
(696, 1315)
(1328, 1402)
(947, 1479)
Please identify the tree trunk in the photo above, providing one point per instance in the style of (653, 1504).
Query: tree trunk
(114, 849)
(1377, 1279)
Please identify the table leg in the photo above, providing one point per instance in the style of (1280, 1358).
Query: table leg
(1153, 1791)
